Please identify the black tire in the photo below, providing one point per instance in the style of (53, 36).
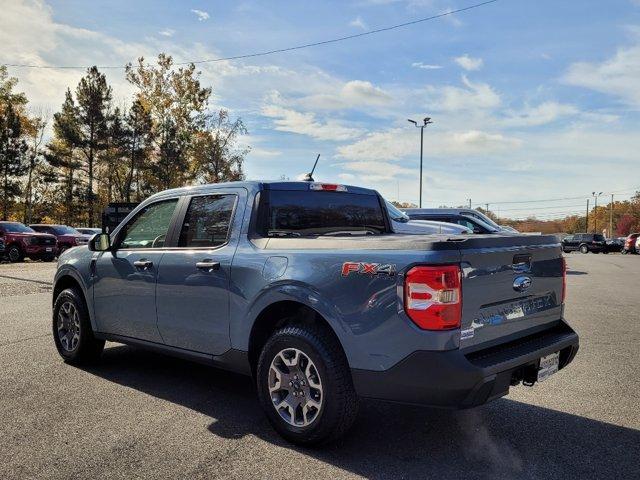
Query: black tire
(15, 254)
(584, 249)
(87, 348)
(339, 404)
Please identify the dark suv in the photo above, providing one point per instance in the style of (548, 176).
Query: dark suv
(585, 243)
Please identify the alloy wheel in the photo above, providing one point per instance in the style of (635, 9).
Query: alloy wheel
(14, 254)
(295, 387)
(68, 326)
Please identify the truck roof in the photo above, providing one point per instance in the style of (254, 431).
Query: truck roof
(257, 185)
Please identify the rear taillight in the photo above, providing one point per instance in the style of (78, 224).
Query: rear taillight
(564, 278)
(433, 297)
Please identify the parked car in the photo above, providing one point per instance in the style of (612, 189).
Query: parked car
(471, 219)
(615, 245)
(630, 243)
(305, 287)
(67, 237)
(585, 243)
(508, 228)
(401, 223)
(2, 248)
(21, 241)
(88, 231)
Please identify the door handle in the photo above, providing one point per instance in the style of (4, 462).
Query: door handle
(208, 265)
(144, 264)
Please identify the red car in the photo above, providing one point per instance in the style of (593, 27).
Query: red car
(630, 243)
(67, 237)
(21, 241)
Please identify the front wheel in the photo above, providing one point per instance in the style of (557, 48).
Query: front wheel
(72, 332)
(15, 254)
(305, 386)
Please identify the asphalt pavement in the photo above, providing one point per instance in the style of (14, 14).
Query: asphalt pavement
(143, 415)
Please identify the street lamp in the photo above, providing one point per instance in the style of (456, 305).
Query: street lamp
(426, 121)
(595, 211)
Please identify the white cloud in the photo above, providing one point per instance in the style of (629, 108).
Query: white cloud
(618, 76)
(469, 63)
(167, 32)
(201, 14)
(352, 94)
(476, 96)
(306, 123)
(542, 114)
(358, 23)
(398, 143)
(425, 66)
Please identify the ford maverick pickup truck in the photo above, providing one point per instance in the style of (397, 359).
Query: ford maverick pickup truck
(306, 287)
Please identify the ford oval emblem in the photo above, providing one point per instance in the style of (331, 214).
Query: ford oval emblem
(522, 283)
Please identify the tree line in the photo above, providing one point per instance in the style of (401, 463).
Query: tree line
(66, 168)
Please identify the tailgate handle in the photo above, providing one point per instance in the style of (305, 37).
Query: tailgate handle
(521, 262)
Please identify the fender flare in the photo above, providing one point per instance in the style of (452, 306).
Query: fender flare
(68, 271)
(298, 292)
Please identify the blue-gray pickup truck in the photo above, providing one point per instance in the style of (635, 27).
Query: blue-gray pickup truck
(305, 287)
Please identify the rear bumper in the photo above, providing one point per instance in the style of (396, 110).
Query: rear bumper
(454, 379)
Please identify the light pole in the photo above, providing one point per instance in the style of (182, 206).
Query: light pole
(426, 121)
(595, 211)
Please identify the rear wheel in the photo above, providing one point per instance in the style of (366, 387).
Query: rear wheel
(584, 249)
(304, 385)
(72, 332)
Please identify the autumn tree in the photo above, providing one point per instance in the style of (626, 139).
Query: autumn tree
(217, 156)
(176, 103)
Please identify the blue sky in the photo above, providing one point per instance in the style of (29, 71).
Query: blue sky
(531, 100)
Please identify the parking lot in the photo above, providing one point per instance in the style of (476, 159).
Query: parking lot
(142, 414)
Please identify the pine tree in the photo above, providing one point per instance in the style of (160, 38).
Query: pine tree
(13, 149)
(93, 97)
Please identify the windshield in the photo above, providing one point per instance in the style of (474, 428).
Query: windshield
(309, 213)
(482, 223)
(16, 228)
(64, 230)
(483, 218)
(396, 214)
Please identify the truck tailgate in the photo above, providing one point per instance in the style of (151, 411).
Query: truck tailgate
(511, 286)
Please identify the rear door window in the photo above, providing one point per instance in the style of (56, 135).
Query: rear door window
(310, 213)
(207, 221)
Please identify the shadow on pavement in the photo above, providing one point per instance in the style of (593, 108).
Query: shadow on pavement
(505, 439)
(576, 272)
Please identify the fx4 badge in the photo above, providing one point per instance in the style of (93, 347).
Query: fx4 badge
(368, 268)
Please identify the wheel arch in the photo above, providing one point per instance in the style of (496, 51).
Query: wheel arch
(69, 280)
(278, 314)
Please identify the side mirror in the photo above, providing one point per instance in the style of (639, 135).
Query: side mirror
(100, 242)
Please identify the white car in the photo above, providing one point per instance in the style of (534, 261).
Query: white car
(401, 223)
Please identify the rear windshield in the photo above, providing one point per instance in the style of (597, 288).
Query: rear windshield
(64, 230)
(309, 213)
